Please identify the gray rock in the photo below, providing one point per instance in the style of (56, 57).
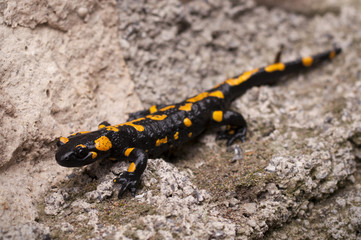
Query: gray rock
(299, 158)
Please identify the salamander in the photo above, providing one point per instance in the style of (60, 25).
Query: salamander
(151, 132)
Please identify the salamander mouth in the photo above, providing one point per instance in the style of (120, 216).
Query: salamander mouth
(70, 160)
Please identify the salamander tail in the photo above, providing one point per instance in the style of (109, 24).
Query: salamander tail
(270, 74)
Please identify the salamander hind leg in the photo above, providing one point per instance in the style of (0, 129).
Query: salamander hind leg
(279, 54)
(236, 126)
(103, 124)
(131, 178)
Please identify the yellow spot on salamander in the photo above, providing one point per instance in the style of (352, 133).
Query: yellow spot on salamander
(112, 128)
(231, 132)
(275, 67)
(78, 133)
(242, 78)
(203, 95)
(233, 81)
(157, 117)
(332, 54)
(218, 116)
(176, 135)
(139, 128)
(131, 167)
(136, 120)
(128, 151)
(112, 159)
(161, 141)
(64, 140)
(190, 134)
(187, 122)
(81, 145)
(153, 109)
(218, 94)
(103, 143)
(186, 107)
(199, 97)
(307, 61)
(94, 155)
(101, 126)
(166, 108)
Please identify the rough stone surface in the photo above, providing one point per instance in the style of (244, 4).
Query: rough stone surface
(335, 218)
(310, 7)
(299, 161)
(53, 83)
(180, 209)
(26, 231)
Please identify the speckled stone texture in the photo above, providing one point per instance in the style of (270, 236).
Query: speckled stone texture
(296, 177)
(60, 63)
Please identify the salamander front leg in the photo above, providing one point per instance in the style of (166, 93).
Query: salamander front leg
(236, 126)
(131, 178)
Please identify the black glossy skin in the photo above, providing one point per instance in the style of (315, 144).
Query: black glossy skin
(151, 132)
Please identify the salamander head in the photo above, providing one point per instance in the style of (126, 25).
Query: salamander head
(83, 148)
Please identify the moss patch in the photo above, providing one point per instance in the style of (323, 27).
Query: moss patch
(110, 212)
(122, 211)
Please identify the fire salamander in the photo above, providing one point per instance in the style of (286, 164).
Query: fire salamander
(151, 132)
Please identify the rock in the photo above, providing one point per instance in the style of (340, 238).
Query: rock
(62, 71)
(310, 7)
(58, 75)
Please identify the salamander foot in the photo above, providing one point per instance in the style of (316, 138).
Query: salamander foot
(129, 181)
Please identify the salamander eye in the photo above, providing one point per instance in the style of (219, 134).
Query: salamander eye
(81, 151)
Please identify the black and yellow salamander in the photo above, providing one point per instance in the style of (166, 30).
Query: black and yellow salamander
(151, 132)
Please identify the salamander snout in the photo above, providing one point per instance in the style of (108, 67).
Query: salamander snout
(73, 159)
(72, 153)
